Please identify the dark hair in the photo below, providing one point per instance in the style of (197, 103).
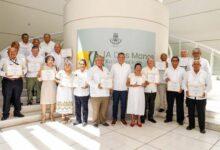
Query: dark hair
(175, 57)
(121, 53)
(24, 34)
(137, 64)
(14, 43)
(45, 34)
(36, 39)
(35, 47)
(48, 57)
(84, 61)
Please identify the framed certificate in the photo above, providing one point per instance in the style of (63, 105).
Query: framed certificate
(173, 86)
(33, 67)
(66, 52)
(161, 65)
(196, 90)
(48, 75)
(79, 82)
(151, 77)
(14, 70)
(106, 83)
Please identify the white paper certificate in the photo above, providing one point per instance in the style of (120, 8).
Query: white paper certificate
(173, 86)
(79, 82)
(106, 83)
(196, 90)
(14, 70)
(48, 75)
(151, 77)
(33, 67)
(66, 52)
(161, 65)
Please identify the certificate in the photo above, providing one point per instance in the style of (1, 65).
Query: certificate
(161, 65)
(196, 90)
(151, 77)
(106, 83)
(173, 86)
(48, 75)
(33, 67)
(137, 81)
(66, 52)
(66, 82)
(79, 82)
(14, 70)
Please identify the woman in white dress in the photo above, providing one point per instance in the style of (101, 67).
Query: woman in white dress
(64, 96)
(48, 88)
(136, 100)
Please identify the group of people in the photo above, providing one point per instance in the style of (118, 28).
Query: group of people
(51, 78)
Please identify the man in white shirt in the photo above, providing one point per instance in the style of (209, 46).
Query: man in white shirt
(152, 78)
(25, 45)
(99, 94)
(47, 45)
(59, 60)
(197, 83)
(12, 69)
(36, 43)
(162, 87)
(174, 76)
(184, 59)
(204, 62)
(34, 62)
(120, 72)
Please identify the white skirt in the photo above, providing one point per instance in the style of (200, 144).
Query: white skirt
(136, 101)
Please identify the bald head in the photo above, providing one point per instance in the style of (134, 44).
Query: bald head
(57, 48)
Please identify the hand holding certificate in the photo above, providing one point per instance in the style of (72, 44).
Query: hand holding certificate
(78, 82)
(14, 70)
(48, 75)
(161, 65)
(106, 83)
(173, 86)
(196, 90)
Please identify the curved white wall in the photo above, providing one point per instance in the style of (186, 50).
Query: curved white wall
(148, 15)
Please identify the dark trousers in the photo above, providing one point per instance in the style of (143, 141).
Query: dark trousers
(171, 96)
(149, 105)
(81, 102)
(117, 96)
(200, 106)
(11, 88)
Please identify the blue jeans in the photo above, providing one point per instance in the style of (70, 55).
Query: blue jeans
(117, 96)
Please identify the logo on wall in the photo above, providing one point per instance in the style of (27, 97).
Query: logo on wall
(115, 40)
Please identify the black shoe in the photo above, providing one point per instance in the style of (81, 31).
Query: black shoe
(4, 118)
(96, 125)
(152, 120)
(123, 122)
(105, 124)
(166, 121)
(20, 115)
(203, 131)
(76, 123)
(21, 104)
(114, 121)
(38, 102)
(189, 128)
(180, 123)
(29, 103)
(161, 110)
(84, 124)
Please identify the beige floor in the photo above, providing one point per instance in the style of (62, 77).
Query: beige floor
(55, 135)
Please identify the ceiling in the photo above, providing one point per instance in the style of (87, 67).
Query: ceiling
(197, 20)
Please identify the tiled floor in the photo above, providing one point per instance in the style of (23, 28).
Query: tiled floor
(159, 136)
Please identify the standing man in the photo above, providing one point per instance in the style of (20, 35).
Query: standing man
(47, 45)
(184, 59)
(196, 53)
(197, 83)
(174, 76)
(162, 87)
(152, 78)
(25, 45)
(12, 69)
(99, 94)
(34, 62)
(120, 72)
(59, 60)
